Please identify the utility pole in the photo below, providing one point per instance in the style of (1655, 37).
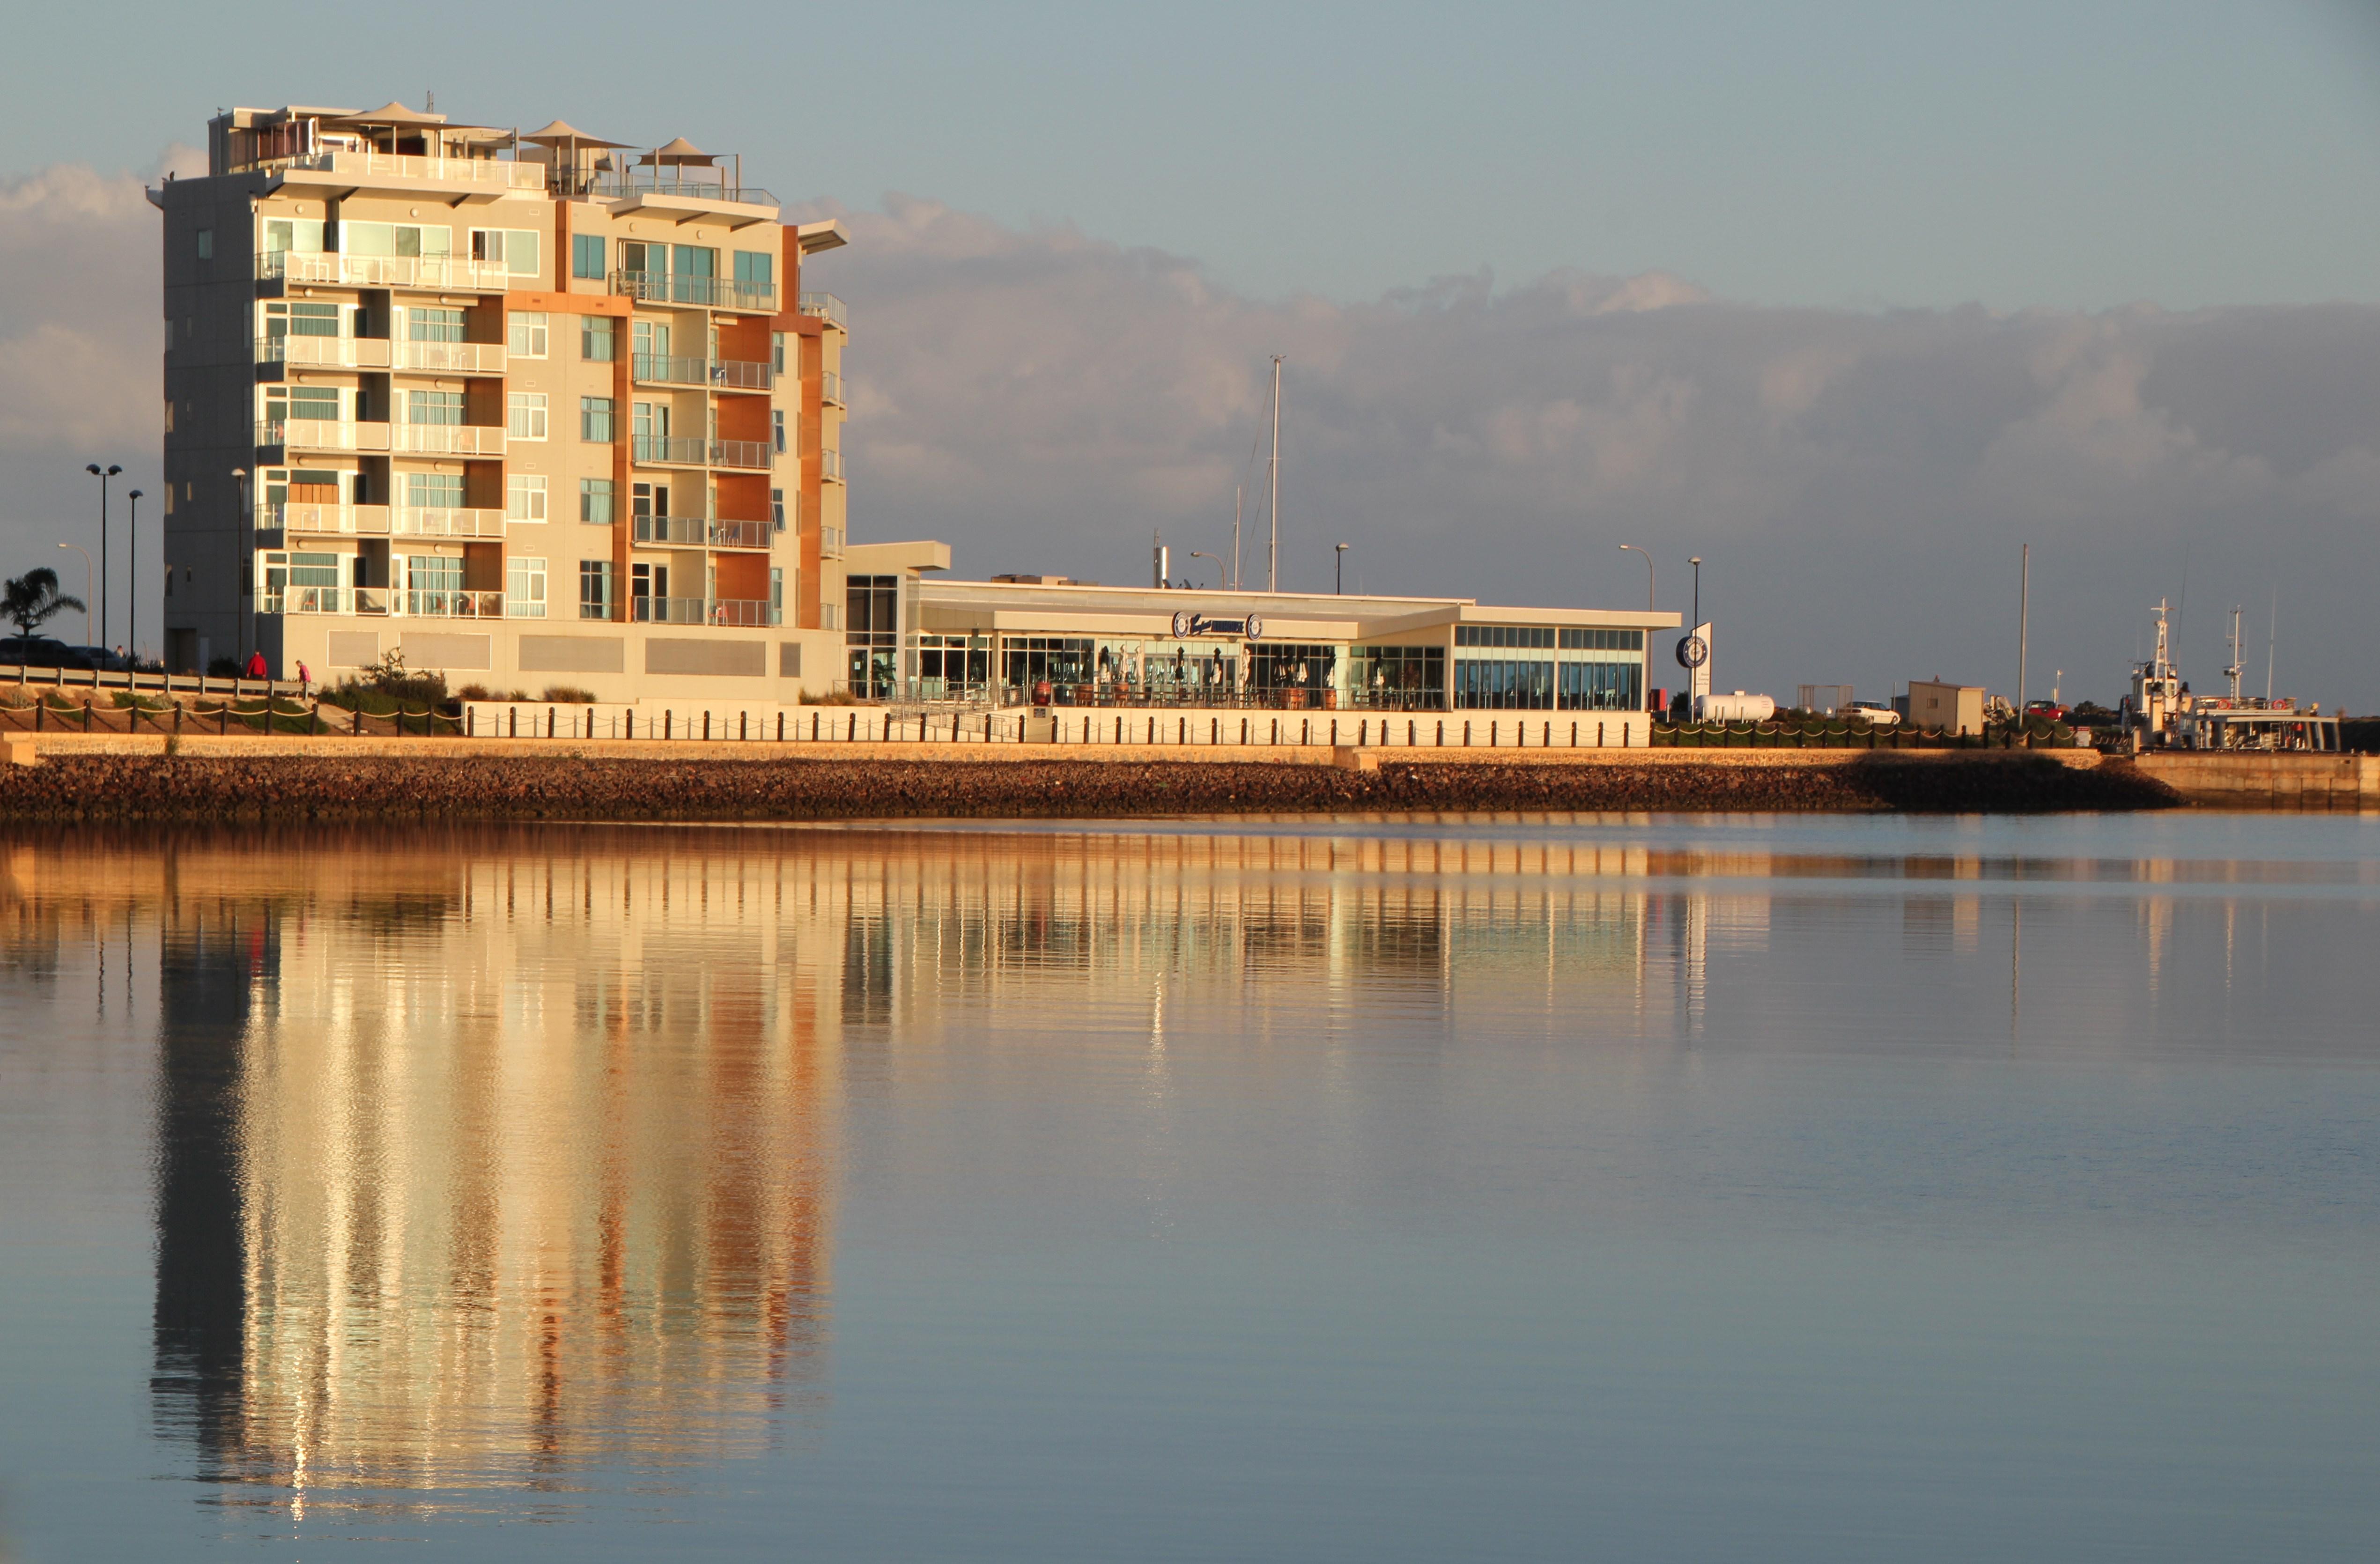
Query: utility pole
(2023, 623)
(1272, 553)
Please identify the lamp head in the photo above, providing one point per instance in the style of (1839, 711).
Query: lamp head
(1695, 559)
(92, 469)
(113, 470)
(136, 493)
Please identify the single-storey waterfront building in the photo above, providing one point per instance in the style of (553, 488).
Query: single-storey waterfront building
(1018, 641)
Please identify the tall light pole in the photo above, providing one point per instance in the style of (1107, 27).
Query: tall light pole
(239, 564)
(2024, 624)
(1210, 559)
(1339, 574)
(110, 471)
(1272, 478)
(132, 546)
(86, 585)
(1697, 563)
(1652, 577)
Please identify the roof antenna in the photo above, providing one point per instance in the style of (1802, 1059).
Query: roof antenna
(430, 103)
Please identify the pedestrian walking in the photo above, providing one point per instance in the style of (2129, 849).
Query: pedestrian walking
(256, 669)
(305, 677)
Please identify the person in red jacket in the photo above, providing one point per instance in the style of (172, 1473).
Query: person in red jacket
(256, 669)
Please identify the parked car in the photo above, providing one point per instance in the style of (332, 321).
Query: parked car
(1874, 714)
(2048, 708)
(43, 651)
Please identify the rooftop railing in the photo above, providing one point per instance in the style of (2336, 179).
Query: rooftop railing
(827, 308)
(612, 186)
(336, 270)
(680, 287)
(727, 374)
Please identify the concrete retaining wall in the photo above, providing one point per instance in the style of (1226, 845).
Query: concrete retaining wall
(2278, 780)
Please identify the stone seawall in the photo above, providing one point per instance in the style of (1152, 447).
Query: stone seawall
(477, 785)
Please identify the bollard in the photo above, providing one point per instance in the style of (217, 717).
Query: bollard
(359, 721)
(223, 716)
(780, 725)
(1275, 733)
(177, 716)
(86, 716)
(669, 722)
(852, 736)
(1306, 732)
(549, 722)
(706, 724)
(1598, 735)
(512, 721)
(743, 726)
(814, 726)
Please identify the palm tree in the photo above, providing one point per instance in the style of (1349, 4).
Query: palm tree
(33, 600)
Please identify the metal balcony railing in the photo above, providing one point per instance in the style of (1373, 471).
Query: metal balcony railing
(306, 600)
(724, 374)
(829, 542)
(496, 174)
(323, 352)
(829, 388)
(448, 357)
(321, 434)
(711, 293)
(827, 308)
(692, 531)
(741, 454)
(831, 465)
(385, 271)
(443, 521)
(451, 440)
(692, 451)
(454, 605)
(740, 534)
(733, 613)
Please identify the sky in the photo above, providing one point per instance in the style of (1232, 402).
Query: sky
(1850, 300)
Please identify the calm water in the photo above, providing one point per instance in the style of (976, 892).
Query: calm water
(1527, 1188)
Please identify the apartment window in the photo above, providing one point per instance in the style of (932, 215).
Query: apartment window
(1603, 640)
(433, 325)
(595, 419)
(433, 408)
(433, 491)
(297, 235)
(303, 402)
(206, 244)
(776, 596)
(395, 238)
(516, 249)
(525, 588)
(524, 415)
(587, 255)
(594, 589)
(651, 339)
(755, 271)
(777, 425)
(595, 498)
(777, 351)
(1503, 635)
(301, 318)
(525, 496)
(525, 333)
(598, 340)
(777, 509)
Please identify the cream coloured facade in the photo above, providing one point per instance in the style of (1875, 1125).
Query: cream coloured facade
(525, 408)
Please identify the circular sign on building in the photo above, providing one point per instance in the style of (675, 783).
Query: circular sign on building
(1693, 652)
(1255, 627)
(1181, 622)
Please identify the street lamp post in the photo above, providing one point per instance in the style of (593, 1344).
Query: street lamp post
(239, 564)
(86, 585)
(1339, 574)
(103, 475)
(1197, 554)
(1652, 577)
(1697, 563)
(132, 545)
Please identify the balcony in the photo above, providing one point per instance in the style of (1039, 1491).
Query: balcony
(446, 358)
(721, 374)
(831, 465)
(323, 352)
(492, 174)
(439, 272)
(710, 293)
(321, 434)
(439, 521)
(829, 542)
(630, 186)
(690, 451)
(450, 440)
(827, 308)
(454, 605)
(733, 612)
(829, 389)
(700, 532)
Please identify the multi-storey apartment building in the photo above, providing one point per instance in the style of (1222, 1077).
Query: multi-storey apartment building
(525, 408)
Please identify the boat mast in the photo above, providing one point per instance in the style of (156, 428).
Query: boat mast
(1272, 550)
(1239, 492)
(2233, 671)
(2023, 623)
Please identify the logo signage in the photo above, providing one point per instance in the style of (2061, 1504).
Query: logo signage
(1187, 625)
(1693, 652)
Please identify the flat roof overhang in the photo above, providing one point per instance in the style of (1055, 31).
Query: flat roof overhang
(342, 185)
(1147, 612)
(682, 208)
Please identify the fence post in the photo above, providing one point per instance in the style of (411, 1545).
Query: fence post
(669, 721)
(550, 723)
(781, 724)
(86, 716)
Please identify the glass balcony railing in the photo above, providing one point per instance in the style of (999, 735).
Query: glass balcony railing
(827, 308)
(723, 374)
(490, 173)
(612, 185)
(831, 465)
(711, 293)
(339, 520)
(443, 521)
(690, 451)
(385, 271)
(698, 532)
(829, 388)
(450, 440)
(740, 534)
(446, 358)
(328, 600)
(454, 605)
(321, 434)
(324, 352)
(733, 613)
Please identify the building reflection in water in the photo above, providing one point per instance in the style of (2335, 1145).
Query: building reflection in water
(482, 1166)
(491, 1158)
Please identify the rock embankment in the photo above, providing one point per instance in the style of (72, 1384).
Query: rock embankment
(200, 790)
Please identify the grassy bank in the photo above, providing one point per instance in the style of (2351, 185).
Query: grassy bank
(297, 788)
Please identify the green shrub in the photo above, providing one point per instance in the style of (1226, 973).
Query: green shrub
(568, 695)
